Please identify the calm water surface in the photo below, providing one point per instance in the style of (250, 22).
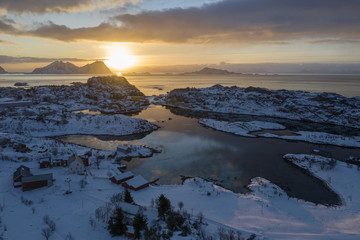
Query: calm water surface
(347, 85)
(190, 149)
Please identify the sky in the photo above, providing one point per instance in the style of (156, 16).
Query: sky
(129, 34)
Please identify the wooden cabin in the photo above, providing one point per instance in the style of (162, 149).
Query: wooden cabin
(137, 183)
(37, 181)
(122, 177)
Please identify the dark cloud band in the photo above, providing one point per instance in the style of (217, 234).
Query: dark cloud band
(238, 21)
(10, 59)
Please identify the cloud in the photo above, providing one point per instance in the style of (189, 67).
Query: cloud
(7, 42)
(238, 21)
(10, 59)
(336, 41)
(43, 6)
(7, 27)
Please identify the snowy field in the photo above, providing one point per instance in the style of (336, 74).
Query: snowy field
(267, 211)
(245, 129)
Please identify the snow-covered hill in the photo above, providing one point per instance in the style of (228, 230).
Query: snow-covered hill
(328, 108)
(110, 94)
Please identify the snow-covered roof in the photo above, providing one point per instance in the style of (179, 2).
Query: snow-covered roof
(74, 158)
(130, 229)
(21, 171)
(36, 178)
(124, 175)
(44, 160)
(129, 208)
(137, 181)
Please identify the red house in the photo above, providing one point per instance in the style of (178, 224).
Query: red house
(136, 183)
(48, 163)
(45, 163)
(37, 181)
(130, 232)
(122, 177)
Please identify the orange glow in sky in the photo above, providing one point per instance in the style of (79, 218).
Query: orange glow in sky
(120, 58)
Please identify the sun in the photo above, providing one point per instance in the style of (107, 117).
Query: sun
(120, 58)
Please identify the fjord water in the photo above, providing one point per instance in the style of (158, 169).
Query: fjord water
(347, 85)
(189, 149)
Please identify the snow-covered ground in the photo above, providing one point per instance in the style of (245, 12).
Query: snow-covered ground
(245, 129)
(74, 123)
(109, 94)
(240, 128)
(267, 211)
(328, 108)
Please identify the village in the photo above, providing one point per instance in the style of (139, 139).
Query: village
(52, 189)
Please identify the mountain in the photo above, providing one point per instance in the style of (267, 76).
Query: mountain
(2, 70)
(59, 67)
(96, 67)
(208, 70)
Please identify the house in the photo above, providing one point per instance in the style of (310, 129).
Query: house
(37, 181)
(129, 211)
(19, 174)
(130, 232)
(59, 163)
(122, 177)
(48, 163)
(76, 164)
(136, 183)
(85, 160)
(45, 162)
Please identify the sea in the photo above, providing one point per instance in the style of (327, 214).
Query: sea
(190, 150)
(346, 85)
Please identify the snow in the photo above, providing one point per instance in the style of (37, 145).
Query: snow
(129, 208)
(76, 124)
(137, 181)
(267, 211)
(124, 175)
(240, 128)
(245, 129)
(320, 137)
(328, 108)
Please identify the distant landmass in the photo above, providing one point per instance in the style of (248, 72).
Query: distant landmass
(2, 70)
(60, 67)
(213, 71)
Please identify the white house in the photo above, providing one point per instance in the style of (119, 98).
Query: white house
(76, 165)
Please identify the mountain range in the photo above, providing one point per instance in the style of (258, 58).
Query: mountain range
(60, 67)
(215, 71)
